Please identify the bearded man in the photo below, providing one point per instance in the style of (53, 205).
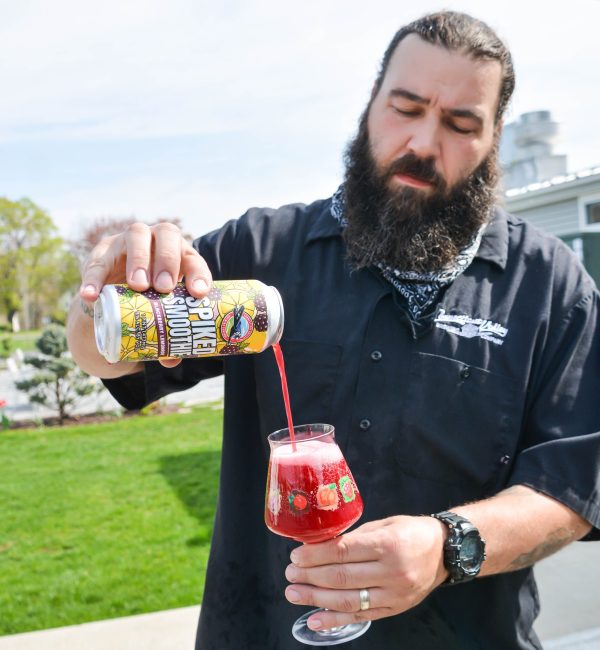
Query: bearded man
(455, 348)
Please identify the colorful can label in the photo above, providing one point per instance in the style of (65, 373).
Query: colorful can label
(236, 317)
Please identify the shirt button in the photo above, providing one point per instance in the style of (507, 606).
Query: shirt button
(376, 355)
(465, 373)
(365, 425)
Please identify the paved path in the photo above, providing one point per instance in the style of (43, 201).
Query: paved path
(19, 408)
(569, 592)
(171, 630)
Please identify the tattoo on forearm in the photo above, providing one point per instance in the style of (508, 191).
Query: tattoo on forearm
(86, 309)
(554, 542)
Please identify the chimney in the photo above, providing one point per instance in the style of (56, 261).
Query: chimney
(527, 150)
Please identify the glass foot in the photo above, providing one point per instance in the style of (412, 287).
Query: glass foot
(333, 636)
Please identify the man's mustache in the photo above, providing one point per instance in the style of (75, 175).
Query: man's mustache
(421, 168)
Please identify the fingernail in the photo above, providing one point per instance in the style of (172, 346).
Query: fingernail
(163, 281)
(314, 623)
(89, 289)
(140, 276)
(290, 573)
(294, 557)
(200, 285)
(292, 595)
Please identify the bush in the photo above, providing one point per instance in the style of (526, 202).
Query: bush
(59, 383)
(5, 347)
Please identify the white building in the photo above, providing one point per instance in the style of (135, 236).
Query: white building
(538, 187)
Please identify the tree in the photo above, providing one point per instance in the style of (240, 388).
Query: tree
(36, 269)
(59, 384)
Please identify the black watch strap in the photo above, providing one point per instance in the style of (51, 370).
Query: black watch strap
(452, 520)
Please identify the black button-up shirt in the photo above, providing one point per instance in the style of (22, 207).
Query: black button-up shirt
(501, 388)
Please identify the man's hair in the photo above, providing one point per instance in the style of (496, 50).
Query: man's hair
(461, 32)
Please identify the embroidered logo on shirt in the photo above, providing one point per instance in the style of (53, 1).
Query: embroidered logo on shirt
(468, 327)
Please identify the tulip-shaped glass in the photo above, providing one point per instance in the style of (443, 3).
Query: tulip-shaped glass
(311, 497)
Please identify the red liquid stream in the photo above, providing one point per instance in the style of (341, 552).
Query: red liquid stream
(284, 390)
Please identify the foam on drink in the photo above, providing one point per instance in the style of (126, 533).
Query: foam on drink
(307, 452)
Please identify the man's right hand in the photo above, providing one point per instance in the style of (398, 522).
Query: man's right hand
(143, 256)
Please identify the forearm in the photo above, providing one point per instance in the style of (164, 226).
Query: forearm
(521, 527)
(82, 344)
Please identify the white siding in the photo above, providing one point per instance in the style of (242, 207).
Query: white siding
(561, 218)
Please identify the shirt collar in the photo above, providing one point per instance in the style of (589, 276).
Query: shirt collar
(324, 225)
(494, 243)
(493, 248)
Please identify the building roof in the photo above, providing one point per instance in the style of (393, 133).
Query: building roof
(570, 181)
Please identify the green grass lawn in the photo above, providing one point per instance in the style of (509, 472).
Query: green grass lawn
(9, 342)
(24, 340)
(106, 520)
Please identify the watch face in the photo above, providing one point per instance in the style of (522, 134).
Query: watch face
(471, 552)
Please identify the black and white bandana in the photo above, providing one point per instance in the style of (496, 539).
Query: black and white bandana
(420, 290)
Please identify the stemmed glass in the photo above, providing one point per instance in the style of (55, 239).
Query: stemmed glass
(311, 497)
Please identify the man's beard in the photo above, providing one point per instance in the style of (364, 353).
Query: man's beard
(406, 228)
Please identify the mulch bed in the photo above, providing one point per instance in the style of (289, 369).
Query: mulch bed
(92, 418)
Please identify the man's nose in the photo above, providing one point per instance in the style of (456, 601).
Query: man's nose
(424, 140)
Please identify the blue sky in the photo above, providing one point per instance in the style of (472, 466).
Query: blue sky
(199, 110)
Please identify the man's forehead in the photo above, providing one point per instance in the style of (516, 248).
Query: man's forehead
(429, 69)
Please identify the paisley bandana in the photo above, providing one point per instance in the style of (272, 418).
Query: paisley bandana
(420, 291)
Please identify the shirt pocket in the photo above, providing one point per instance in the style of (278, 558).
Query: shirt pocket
(457, 422)
(311, 370)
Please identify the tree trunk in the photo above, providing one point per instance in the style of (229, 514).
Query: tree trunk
(59, 402)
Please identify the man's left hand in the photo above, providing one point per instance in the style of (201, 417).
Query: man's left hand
(399, 560)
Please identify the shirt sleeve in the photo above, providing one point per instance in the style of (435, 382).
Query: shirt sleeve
(560, 452)
(156, 381)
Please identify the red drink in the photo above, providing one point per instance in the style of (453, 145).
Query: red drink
(311, 497)
(311, 494)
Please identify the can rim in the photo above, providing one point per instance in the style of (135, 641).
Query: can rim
(275, 336)
(107, 324)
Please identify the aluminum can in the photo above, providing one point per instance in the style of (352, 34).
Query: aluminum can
(236, 317)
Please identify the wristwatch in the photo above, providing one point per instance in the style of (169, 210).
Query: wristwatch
(464, 548)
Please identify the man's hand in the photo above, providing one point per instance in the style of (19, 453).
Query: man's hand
(399, 560)
(143, 257)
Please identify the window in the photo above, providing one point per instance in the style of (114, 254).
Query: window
(592, 213)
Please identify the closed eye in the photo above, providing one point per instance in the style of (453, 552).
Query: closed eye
(459, 129)
(405, 112)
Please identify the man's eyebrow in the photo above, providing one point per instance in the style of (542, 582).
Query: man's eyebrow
(455, 112)
(402, 92)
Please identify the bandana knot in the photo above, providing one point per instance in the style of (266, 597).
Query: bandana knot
(420, 290)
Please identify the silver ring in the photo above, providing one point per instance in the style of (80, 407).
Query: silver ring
(365, 599)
